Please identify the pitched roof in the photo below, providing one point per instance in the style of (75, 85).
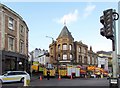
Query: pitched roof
(65, 33)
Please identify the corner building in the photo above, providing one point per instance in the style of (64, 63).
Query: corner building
(67, 51)
(13, 41)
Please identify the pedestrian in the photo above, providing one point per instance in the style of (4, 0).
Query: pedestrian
(48, 74)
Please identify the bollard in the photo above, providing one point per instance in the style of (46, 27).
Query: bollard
(101, 75)
(26, 81)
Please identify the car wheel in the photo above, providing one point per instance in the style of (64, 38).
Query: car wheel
(22, 80)
(1, 81)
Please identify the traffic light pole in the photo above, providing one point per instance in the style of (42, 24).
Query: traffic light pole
(109, 31)
(114, 47)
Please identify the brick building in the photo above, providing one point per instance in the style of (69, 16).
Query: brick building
(67, 51)
(13, 40)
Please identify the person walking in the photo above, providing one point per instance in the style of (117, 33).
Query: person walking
(48, 74)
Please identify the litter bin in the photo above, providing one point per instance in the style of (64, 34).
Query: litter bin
(113, 83)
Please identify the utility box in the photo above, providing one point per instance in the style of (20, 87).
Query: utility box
(113, 82)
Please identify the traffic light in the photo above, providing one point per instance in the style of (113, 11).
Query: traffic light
(108, 23)
(102, 30)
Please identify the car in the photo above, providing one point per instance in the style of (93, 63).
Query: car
(14, 76)
(92, 76)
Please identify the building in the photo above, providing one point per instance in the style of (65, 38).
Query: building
(92, 58)
(13, 40)
(67, 51)
(40, 56)
(105, 60)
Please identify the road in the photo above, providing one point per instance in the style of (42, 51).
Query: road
(89, 82)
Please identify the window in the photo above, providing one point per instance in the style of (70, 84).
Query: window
(71, 57)
(79, 49)
(11, 23)
(85, 60)
(21, 47)
(64, 57)
(21, 29)
(51, 50)
(58, 47)
(20, 73)
(11, 73)
(58, 56)
(11, 43)
(80, 59)
(70, 47)
(64, 46)
(42, 59)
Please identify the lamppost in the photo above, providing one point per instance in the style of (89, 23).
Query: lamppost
(31, 62)
(58, 63)
(20, 65)
(51, 38)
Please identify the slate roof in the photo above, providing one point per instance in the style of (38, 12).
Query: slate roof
(65, 33)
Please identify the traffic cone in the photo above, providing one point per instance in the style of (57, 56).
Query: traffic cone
(71, 77)
(40, 77)
(59, 78)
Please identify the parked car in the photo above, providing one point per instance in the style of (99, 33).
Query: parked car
(14, 76)
(92, 76)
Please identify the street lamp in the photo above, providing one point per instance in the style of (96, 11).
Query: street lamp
(31, 62)
(51, 38)
(58, 63)
(20, 63)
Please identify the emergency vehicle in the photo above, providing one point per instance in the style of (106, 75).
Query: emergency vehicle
(51, 69)
(69, 70)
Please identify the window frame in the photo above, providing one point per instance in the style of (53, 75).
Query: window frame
(21, 46)
(64, 56)
(11, 48)
(10, 23)
(65, 46)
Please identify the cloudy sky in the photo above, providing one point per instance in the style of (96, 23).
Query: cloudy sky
(48, 19)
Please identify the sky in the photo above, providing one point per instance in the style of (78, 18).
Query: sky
(47, 19)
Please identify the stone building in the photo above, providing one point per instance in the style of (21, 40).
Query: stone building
(67, 51)
(13, 40)
(92, 57)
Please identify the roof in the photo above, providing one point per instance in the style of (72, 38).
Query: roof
(104, 52)
(65, 33)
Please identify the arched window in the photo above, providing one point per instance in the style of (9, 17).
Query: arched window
(64, 56)
(80, 59)
(58, 56)
(59, 47)
(64, 46)
(71, 57)
(80, 50)
(70, 46)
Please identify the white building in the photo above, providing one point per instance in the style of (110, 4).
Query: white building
(103, 63)
(38, 55)
(105, 60)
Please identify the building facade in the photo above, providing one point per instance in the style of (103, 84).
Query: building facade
(13, 40)
(39, 56)
(67, 51)
(92, 57)
(105, 60)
